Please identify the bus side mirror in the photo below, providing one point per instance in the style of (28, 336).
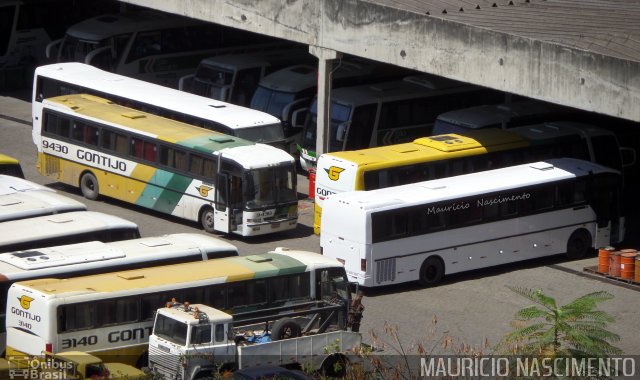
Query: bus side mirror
(298, 117)
(341, 131)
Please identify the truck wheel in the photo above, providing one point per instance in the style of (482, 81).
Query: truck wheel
(285, 328)
(89, 186)
(578, 244)
(431, 271)
(335, 365)
(207, 218)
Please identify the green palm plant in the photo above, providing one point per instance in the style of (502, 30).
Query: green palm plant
(576, 329)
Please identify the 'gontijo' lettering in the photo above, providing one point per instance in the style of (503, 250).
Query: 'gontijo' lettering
(25, 314)
(101, 160)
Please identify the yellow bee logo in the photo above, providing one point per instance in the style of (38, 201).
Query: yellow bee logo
(25, 302)
(204, 190)
(334, 172)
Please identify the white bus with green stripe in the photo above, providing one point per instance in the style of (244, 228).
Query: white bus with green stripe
(227, 184)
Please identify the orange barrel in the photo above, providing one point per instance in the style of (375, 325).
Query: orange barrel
(603, 259)
(312, 183)
(627, 263)
(614, 263)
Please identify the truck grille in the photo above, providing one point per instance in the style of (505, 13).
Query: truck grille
(163, 362)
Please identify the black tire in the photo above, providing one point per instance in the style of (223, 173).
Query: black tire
(431, 271)
(579, 244)
(207, 219)
(285, 328)
(89, 186)
(335, 365)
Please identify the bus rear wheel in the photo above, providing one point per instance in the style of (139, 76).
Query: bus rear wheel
(578, 244)
(207, 219)
(431, 271)
(89, 186)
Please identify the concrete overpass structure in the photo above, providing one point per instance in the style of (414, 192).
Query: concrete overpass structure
(580, 53)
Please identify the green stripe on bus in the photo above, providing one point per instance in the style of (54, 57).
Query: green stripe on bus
(165, 196)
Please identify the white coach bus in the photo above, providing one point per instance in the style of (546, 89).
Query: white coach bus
(430, 229)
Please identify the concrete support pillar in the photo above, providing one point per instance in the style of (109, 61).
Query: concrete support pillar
(325, 69)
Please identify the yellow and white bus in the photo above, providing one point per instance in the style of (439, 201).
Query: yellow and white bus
(94, 257)
(226, 183)
(20, 199)
(65, 228)
(111, 315)
(427, 230)
(422, 159)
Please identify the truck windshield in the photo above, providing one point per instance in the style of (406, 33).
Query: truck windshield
(270, 187)
(171, 330)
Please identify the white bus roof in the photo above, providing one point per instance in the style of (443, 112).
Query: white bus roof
(108, 25)
(495, 114)
(462, 186)
(559, 129)
(11, 185)
(255, 156)
(407, 88)
(50, 226)
(227, 114)
(25, 204)
(256, 59)
(302, 77)
(92, 255)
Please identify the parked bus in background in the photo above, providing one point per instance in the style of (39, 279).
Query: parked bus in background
(234, 78)
(27, 26)
(25, 199)
(94, 257)
(10, 166)
(287, 93)
(427, 230)
(227, 184)
(111, 314)
(387, 113)
(503, 115)
(73, 78)
(67, 228)
(453, 154)
(147, 44)
(420, 160)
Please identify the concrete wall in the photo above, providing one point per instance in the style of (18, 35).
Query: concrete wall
(515, 64)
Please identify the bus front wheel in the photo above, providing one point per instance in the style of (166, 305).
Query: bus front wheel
(89, 186)
(207, 218)
(578, 244)
(431, 271)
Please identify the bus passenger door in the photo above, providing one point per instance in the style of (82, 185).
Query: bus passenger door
(222, 212)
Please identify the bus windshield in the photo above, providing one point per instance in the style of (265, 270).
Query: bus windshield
(209, 81)
(340, 115)
(262, 133)
(270, 187)
(270, 101)
(74, 49)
